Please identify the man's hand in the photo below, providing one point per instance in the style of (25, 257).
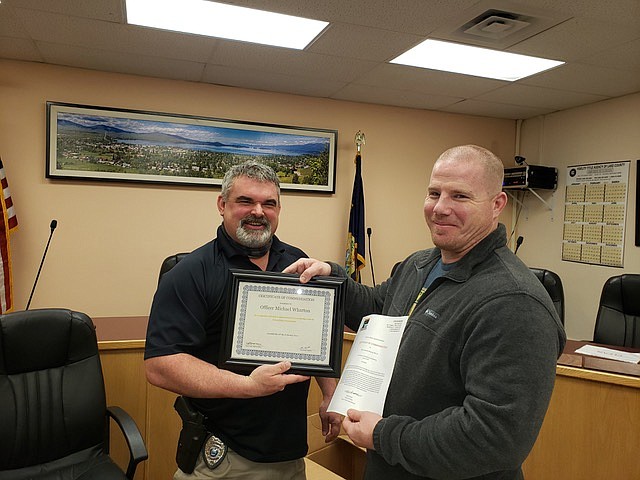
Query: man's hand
(269, 379)
(308, 268)
(331, 422)
(359, 426)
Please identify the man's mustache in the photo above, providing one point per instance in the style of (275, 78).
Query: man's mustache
(254, 220)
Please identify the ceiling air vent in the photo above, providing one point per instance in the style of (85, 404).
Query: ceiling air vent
(497, 26)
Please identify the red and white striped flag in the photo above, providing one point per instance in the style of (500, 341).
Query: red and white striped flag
(8, 223)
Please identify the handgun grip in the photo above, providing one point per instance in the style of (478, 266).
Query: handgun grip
(187, 413)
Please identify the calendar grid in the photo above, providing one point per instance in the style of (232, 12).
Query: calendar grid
(594, 213)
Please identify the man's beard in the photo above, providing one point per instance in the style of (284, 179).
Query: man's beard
(254, 238)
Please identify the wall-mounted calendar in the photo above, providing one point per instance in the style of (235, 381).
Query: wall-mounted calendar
(594, 213)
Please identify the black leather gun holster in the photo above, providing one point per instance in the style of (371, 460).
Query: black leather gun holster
(192, 435)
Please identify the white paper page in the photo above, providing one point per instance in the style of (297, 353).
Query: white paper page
(367, 371)
(609, 353)
(276, 324)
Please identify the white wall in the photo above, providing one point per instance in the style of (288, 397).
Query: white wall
(105, 255)
(106, 252)
(607, 131)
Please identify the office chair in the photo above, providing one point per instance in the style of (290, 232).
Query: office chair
(619, 312)
(54, 422)
(553, 285)
(394, 268)
(170, 262)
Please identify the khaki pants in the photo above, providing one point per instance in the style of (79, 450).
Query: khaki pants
(234, 466)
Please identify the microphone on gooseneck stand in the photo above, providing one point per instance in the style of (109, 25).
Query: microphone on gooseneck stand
(373, 277)
(53, 225)
(518, 243)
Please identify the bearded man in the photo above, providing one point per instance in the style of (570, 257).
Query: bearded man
(256, 424)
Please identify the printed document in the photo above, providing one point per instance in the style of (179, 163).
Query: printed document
(367, 372)
(609, 353)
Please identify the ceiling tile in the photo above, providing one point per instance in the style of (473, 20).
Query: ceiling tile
(10, 26)
(120, 62)
(599, 40)
(576, 39)
(622, 12)
(388, 96)
(587, 79)
(288, 62)
(19, 49)
(107, 10)
(275, 82)
(365, 43)
(547, 98)
(82, 32)
(418, 17)
(424, 80)
(625, 56)
(497, 110)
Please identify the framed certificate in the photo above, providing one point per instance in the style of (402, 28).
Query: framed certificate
(273, 317)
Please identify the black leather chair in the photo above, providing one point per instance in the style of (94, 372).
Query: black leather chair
(170, 262)
(619, 312)
(394, 268)
(54, 422)
(553, 285)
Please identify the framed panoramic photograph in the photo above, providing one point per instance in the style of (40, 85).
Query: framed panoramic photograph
(273, 317)
(99, 143)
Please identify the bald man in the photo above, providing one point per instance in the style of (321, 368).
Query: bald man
(476, 365)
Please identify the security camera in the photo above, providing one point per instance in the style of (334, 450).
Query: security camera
(520, 160)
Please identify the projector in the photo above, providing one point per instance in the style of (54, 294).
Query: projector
(530, 176)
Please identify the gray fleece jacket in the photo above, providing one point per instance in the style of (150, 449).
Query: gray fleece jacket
(475, 369)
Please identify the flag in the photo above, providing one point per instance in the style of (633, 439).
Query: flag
(355, 257)
(7, 225)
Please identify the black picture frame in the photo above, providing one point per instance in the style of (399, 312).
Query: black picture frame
(289, 312)
(87, 142)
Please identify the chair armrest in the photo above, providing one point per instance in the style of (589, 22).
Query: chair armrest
(137, 449)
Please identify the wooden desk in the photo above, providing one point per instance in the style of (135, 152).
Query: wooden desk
(571, 358)
(591, 430)
(121, 344)
(592, 427)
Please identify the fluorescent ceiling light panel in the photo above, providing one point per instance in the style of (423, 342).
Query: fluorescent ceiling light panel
(203, 17)
(481, 62)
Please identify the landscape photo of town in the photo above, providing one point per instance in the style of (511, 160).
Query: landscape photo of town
(126, 145)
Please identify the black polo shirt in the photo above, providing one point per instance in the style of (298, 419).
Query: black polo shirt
(186, 317)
